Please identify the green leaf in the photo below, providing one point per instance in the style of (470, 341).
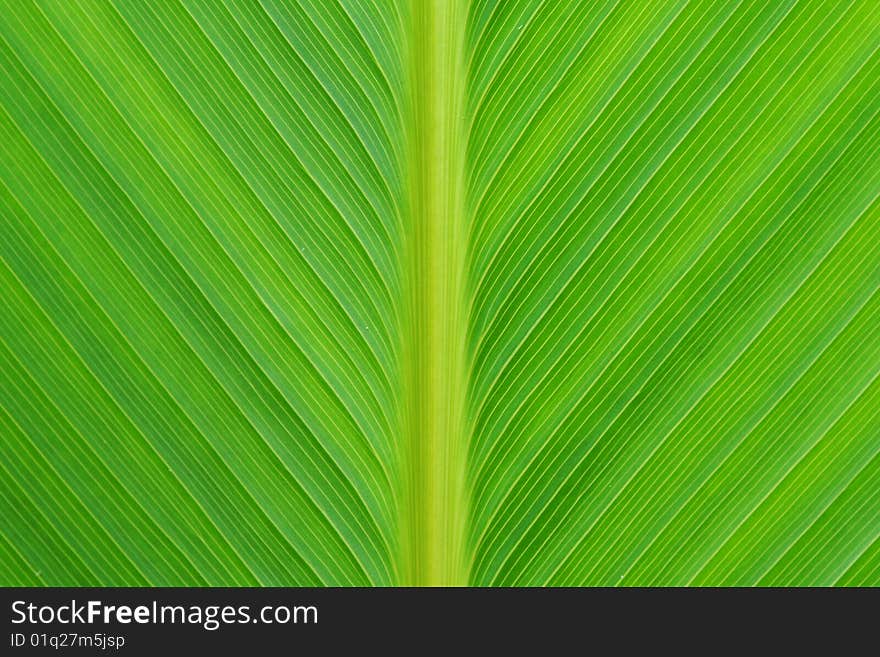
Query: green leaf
(439, 292)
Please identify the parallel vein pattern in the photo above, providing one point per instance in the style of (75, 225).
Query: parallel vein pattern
(356, 292)
(674, 263)
(185, 218)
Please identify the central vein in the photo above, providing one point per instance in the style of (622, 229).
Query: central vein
(435, 437)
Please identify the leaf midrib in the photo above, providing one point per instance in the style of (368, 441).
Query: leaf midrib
(434, 373)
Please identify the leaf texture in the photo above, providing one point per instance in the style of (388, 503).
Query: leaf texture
(484, 292)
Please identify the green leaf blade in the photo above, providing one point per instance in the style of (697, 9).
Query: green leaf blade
(425, 293)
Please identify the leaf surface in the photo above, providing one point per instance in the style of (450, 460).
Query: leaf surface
(421, 292)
